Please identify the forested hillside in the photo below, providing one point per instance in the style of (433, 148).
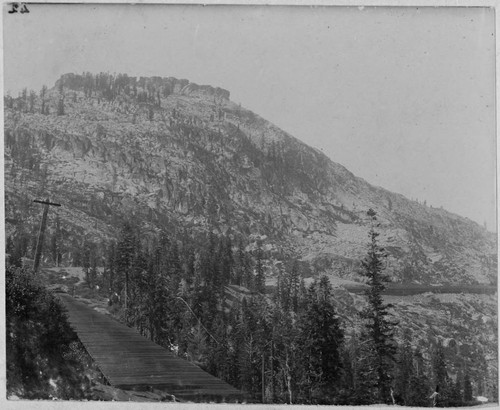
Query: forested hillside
(172, 153)
(228, 240)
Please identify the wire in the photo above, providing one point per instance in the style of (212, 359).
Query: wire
(199, 321)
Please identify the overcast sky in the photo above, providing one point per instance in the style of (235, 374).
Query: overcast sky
(403, 97)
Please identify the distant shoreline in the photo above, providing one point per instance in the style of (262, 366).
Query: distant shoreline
(407, 290)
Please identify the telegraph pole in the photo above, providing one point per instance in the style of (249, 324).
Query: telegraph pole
(41, 233)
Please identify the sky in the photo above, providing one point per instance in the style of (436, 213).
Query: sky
(403, 97)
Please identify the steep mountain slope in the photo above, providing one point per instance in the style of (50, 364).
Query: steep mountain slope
(170, 153)
(176, 157)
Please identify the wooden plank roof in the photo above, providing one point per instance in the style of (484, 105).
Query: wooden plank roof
(130, 361)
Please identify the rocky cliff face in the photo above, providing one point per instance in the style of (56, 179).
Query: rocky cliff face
(172, 153)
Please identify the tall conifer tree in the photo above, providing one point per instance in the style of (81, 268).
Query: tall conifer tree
(379, 327)
(321, 339)
(260, 280)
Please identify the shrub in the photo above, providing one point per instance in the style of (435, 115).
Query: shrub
(40, 342)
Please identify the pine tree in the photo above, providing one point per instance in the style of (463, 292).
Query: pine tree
(211, 210)
(189, 269)
(321, 340)
(164, 309)
(234, 345)
(240, 261)
(404, 368)
(93, 271)
(124, 258)
(348, 359)
(227, 261)
(260, 280)
(365, 375)
(467, 387)
(24, 99)
(282, 293)
(60, 106)
(441, 379)
(455, 396)
(287, 354)
(243, 272)
(174, 268)
(248, 354)
(294, 286)
(197, 346)
(211, 289)
(138, 304)
(109, 268)
(379, 328)
(86, 261)
(32, 101)
(9, 101)
(419, 382)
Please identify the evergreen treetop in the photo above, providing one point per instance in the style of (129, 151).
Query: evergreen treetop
(379, 327)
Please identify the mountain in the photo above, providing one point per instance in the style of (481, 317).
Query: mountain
(174, 157)
(170, 153)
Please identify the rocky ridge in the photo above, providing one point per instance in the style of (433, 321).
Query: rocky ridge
(195, 159)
